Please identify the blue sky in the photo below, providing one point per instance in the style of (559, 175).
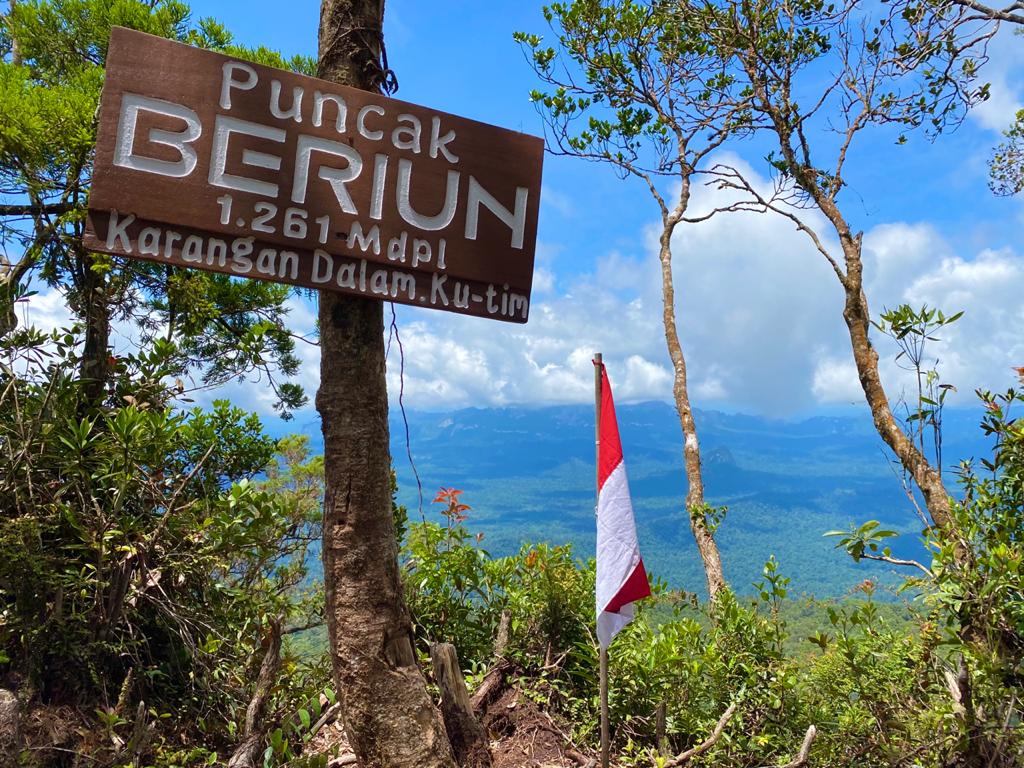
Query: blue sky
(760, 311)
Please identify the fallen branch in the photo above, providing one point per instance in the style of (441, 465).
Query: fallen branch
(251, 745)
(805, 749)
(580, 758)
(329, 716)
(700, 749)
(494, 681)
(341, 760)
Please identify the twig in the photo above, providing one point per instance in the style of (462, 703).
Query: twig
(898, 561)
(805, 749)
(36, 210)
(700, 749)
(330, 714)
(580, 758)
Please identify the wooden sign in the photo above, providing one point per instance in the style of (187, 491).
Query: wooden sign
(211, 162)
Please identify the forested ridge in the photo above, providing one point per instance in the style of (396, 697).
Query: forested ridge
(161, 595)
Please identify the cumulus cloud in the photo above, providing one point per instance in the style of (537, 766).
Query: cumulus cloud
(760, 318)
(835, 381)
(1006, 92)
(759, 312)
(47, 310)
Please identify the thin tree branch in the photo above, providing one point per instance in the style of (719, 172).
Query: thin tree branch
(36, 210)
(996, 14)
(898, 561)
(709, 742)
(730, 178)
(805, 749)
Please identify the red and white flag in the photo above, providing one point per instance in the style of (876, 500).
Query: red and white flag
(621, 578)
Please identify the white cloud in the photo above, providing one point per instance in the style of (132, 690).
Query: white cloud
(760, 320)
(835, 381)
(710, 389)
(1002, 72)
(543, 281)
(557, 201)
(47, 310)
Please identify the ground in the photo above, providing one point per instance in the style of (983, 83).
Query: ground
(522, 736)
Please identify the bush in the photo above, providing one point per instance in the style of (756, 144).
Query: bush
(140, 558)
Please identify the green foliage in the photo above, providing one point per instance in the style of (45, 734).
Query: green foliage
(967, 656)
(880, 689)
(982, 596)
(874, 678)
(634, 84)
(1006, 166)
(141, 558)
(913, 330)
(863, 540)
(224, 327)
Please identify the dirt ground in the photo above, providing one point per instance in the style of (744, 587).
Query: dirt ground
(522, 736)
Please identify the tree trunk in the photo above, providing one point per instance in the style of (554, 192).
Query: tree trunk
(94, 368)
(15, 47)
(858, 322)
(387, 713)
(11, 717)
(702, 534)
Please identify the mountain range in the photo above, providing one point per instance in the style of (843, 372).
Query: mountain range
(528, 474)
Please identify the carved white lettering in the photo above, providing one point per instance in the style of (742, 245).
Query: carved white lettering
(336, 177)
(319, 99)
(408, 136)
(222, 131)
(117, 230)
(124, 144)
(370, 239)
(241, 250)
(437, 291)
(228, 81)
(361, 122)
(149, 241)
(217, 253)
(380, 169)
(396, 247)
(405, 209)
(515, 221)
(323, 266)
(440, 143)
(295, 111)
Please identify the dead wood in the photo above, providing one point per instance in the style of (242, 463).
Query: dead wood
(467, 736)
(708, 743)
(494, 681)
(249, 749)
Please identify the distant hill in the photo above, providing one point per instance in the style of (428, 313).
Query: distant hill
(528, 473)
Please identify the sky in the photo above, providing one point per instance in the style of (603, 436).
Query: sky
(759, 309)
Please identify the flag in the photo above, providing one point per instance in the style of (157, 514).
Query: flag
(621, 578)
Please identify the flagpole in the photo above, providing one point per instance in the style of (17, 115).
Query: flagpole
(598, 370)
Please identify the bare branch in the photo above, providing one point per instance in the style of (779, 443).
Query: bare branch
(995, 14)
(898, 561)
(805, 750)
(708, 743)
(730, 178)
(43, 209)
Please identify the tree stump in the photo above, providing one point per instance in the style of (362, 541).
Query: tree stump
(468, 738)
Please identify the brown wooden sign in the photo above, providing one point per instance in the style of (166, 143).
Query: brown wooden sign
(215, 163)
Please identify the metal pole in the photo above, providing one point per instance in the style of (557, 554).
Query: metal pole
(605, 734)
